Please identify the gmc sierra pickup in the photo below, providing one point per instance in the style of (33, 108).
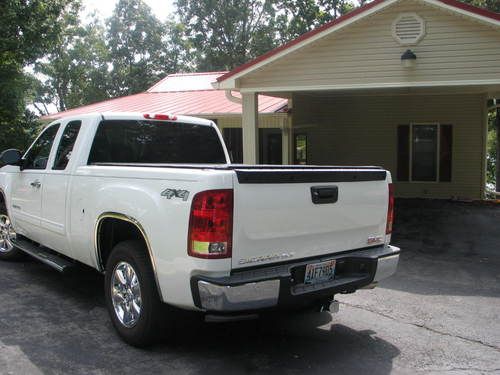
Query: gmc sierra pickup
(154, 203)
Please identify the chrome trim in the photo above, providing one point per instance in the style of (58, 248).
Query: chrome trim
(7, 234)
(129, 219)
(248, 296)
(387, 266)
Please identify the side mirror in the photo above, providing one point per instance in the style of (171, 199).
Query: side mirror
(11, 157)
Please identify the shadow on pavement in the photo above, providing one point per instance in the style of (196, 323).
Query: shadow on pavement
(60, 325)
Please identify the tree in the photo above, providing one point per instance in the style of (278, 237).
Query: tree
(493, 5)
(226, 33)
(76, 67)
(296, 17)
(27, 30)
(140, 47)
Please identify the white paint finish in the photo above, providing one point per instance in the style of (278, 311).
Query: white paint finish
(250, 128)
(136, 192)
(272, 219)
(26, 201)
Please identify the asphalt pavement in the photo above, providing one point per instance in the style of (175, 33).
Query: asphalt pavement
(439, 314)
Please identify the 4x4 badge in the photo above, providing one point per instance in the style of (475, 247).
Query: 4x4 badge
(175, 193)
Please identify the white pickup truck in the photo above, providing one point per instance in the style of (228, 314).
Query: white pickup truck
(153, 201)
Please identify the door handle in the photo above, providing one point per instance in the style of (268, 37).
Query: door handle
(324, 194)
(36, 184)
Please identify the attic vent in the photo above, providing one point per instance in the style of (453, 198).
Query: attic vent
(408, 28)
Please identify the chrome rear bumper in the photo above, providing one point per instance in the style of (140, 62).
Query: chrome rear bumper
(257, 295)
(272, 286)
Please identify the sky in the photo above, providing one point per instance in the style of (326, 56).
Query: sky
(104, 8)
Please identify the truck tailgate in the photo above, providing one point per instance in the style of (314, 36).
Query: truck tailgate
(289, 214)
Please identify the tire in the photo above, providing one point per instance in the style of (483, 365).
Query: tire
(7, 250)
(137, 329)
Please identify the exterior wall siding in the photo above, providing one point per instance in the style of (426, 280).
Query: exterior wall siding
(361, 130)
(454, 49)
(274, 120)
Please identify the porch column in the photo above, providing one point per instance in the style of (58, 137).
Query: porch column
(286, 139)
(250, 128)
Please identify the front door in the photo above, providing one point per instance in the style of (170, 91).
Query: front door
(55, 191)
(271, 146)
(27, 185)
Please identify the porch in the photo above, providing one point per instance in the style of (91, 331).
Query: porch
(433, 141)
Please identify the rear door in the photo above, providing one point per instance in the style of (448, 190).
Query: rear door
(282, 215)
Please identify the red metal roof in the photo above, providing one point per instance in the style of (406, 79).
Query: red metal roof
(453, 3)
(183, 94)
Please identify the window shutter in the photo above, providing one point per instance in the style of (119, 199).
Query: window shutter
(445, 153)
(403, 172)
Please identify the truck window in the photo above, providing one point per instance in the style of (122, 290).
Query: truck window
(134, 141)
(66, 145)
(38, 154)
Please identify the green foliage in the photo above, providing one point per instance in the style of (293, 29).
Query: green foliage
(139, 47)
(226, 33)
(92, 62)
(493, 5)
(491, 153)
(76, 67)
(296, 17)
(27, 30)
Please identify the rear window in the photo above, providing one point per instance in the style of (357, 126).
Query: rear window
(133, 141)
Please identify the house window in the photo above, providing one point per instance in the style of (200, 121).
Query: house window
(424, 153)
(300, 155)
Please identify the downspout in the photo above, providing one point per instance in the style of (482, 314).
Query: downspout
(232, 98)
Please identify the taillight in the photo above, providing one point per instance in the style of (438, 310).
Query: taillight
(211, 224)
(390, 210)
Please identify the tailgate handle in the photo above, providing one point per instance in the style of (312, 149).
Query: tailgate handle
(324, 194)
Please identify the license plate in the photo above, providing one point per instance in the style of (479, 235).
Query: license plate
(319, 272)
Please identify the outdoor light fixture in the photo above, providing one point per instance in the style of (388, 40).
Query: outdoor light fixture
(409, 59)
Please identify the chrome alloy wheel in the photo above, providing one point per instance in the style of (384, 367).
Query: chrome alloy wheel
(126, 294)
(7, 234)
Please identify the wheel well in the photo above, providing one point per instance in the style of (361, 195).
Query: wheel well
(3, 202)
(111, 231)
